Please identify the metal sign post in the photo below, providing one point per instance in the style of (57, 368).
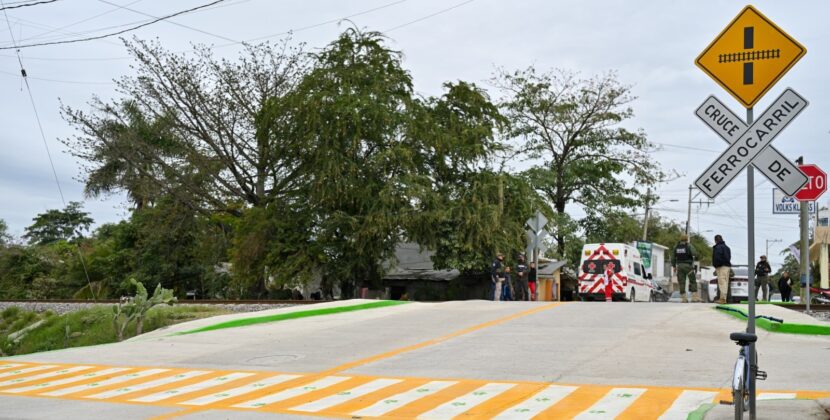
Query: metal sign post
(747, 58)
(750, 226)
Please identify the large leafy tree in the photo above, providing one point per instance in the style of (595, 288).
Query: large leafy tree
(571, 129)
(68, 224)
(5, 237)
(191, 128)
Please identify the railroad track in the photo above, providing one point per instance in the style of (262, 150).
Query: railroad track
(181, 302)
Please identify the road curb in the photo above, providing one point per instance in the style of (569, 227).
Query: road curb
(787, 328)
(244, 322)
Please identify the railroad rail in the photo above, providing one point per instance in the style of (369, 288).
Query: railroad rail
(180, 302)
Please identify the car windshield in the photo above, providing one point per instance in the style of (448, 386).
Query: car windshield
(740, 270)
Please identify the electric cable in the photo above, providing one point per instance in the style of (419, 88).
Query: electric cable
(92, 38)
(46, 145)
(27, 4)
(430, 15)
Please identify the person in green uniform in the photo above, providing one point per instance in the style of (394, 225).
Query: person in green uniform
(682, 262)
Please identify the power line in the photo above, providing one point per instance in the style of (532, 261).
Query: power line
(169, 21)
(290, 31)
(27, 5)
(73, 82)
(46, 145)
(429, 16)
(92, 38)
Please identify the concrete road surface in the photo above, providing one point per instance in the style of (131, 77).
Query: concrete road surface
(424, 360)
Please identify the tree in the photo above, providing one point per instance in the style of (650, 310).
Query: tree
(5, 237)
(194, 128)
(571, 128)
(57, 225)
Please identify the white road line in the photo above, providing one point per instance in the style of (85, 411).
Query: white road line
(163, 395)
(242, 390)
(293, 392)
(397, 401)
(687, 402)
(111, 381)
(534, 405)
(148, 385)
(775, 396)
(44, 375)
(65, 381)
(612, 404)
(347, 395)
(466, 402)
(27, 370)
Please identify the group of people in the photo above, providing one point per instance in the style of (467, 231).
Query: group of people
(684, 255)
(505, 285)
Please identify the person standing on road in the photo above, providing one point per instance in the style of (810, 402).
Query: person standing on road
(497, 276)
(521, 279)
(682, 262)
(722, 260)
(531, 280)
(607, 280)
(785, 286)
(507, 284)
(762, 270)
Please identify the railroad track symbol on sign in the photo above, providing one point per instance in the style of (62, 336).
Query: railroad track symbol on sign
(749, 56)
(751, 143)
(775, 166)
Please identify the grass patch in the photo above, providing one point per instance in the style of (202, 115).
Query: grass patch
(293, 315)
(787, 328)
(86, 327)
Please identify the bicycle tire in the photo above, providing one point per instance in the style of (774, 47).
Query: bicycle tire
(739, 391)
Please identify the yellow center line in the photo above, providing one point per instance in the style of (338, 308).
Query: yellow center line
(432, 342)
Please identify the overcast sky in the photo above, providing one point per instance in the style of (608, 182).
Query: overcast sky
(652, 44)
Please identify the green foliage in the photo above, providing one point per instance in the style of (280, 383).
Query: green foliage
(574, 127)
(87, 327)
(134, 309)
(5, 237)
(56, 225)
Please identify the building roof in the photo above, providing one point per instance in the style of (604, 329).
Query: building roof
(412, 263)
(549, 267)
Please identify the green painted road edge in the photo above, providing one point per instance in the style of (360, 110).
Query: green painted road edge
(787, 328)
(700, 413)
(293, 315)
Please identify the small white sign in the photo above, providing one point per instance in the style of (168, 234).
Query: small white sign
(785, 204)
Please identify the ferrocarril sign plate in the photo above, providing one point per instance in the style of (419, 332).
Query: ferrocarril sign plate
(749, 56)
(775, 166)
(751, 143)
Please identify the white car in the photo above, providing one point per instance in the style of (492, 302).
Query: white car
(738, 286)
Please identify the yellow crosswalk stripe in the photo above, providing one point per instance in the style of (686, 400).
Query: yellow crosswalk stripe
(343, 395)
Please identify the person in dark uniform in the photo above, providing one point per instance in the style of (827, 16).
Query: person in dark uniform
(762, 270)
(682, 261)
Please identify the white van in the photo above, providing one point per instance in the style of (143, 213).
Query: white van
(629, 281)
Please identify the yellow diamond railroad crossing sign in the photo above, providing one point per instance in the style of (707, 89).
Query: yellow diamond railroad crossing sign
(749, 56)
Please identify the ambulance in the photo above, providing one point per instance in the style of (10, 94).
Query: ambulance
(630, 282)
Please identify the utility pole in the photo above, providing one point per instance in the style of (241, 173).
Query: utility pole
(689, 211)
(645, 219)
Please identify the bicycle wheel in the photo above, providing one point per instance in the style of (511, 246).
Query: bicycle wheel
(740, 396)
